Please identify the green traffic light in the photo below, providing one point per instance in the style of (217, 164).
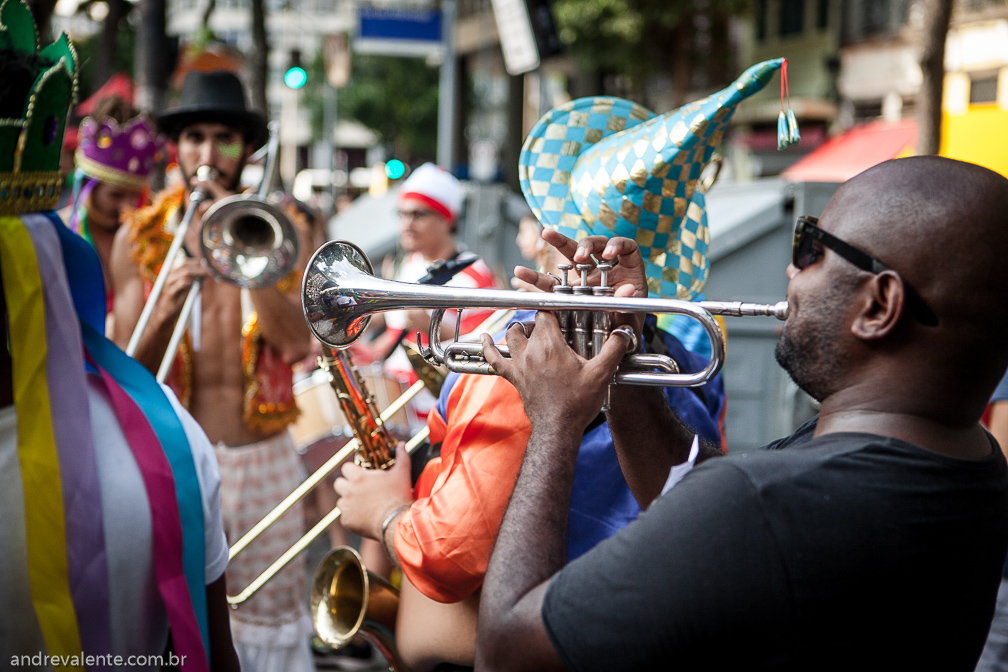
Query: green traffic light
(395, 169)
(295, 77)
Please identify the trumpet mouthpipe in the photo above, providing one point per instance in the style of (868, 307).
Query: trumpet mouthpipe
(744, 309)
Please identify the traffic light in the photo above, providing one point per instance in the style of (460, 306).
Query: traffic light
(295, 77)
(395, 169)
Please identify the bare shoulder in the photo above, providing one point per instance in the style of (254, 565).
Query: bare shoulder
(121, 258)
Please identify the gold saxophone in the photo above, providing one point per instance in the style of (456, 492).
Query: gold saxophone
(377, 447)
(346, 598)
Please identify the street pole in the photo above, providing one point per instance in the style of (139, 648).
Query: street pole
(446, 87)
(151, 64)
(288, 136)
(329, 140)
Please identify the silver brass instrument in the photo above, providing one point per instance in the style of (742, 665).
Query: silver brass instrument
(339, 294)
(244, 239)
(199, 194)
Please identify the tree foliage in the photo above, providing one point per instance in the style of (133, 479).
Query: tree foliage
(95, 51)
(641, 38)
(396, 97)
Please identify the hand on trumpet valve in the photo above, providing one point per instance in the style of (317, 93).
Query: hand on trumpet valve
(367, 496)
(555, 383)
(626, 276)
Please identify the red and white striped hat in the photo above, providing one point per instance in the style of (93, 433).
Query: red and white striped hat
(436, 187)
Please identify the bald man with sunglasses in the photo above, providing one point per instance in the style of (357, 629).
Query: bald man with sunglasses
(872, 538)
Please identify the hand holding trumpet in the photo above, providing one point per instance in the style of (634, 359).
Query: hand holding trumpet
(555, 383)
(628, 275)
(558, 387)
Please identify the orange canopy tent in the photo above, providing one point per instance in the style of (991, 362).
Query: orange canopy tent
(214, 56)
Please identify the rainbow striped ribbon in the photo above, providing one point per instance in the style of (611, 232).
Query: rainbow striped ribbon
(48, 532)
(166, 522)
(159, 443)
(64, 544)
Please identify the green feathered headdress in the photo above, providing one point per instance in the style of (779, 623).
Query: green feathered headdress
(30, 146)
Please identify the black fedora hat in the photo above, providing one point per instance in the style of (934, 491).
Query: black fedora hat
(218, 97)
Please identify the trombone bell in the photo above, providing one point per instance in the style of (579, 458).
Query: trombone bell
(249, 241)
(347, 600)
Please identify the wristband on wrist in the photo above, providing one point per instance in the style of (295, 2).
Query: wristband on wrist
(388, 521)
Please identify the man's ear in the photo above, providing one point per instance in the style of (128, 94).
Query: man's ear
(882, 303)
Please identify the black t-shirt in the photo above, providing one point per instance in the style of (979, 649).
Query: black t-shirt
(846, 552)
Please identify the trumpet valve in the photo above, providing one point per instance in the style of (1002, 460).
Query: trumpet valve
(601, 320)
(564, 270)
(564, 316)
(604, 266)
(583, 318)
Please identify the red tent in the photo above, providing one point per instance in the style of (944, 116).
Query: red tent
(857, 150)
(118, 84)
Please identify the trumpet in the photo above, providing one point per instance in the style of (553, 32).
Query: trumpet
(339, 295)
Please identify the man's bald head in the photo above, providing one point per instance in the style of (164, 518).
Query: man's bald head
(941, 224)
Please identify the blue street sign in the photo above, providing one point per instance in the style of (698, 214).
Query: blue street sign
(398, 32)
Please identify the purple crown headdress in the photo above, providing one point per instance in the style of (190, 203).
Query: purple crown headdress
(119, 155)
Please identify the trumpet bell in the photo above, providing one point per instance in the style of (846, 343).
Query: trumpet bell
(347, 600)
(337, 318)
(249, 241)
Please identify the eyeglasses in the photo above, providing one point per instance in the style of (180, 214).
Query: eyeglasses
(804, 253)
(415, 214)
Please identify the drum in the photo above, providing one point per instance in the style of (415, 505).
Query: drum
(386, 389)
(321, 416)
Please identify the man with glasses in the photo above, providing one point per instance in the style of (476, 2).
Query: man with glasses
(429, 205)
(872, 538)
(430, 202)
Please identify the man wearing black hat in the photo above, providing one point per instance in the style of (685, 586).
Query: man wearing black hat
(233, 369)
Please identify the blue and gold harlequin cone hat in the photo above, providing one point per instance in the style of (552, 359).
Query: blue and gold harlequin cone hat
(607, 166)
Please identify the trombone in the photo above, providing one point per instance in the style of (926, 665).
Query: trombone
(429, 378)
(244, 239)
(340, 294)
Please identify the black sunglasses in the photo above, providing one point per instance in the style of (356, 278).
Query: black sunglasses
(804, 253)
